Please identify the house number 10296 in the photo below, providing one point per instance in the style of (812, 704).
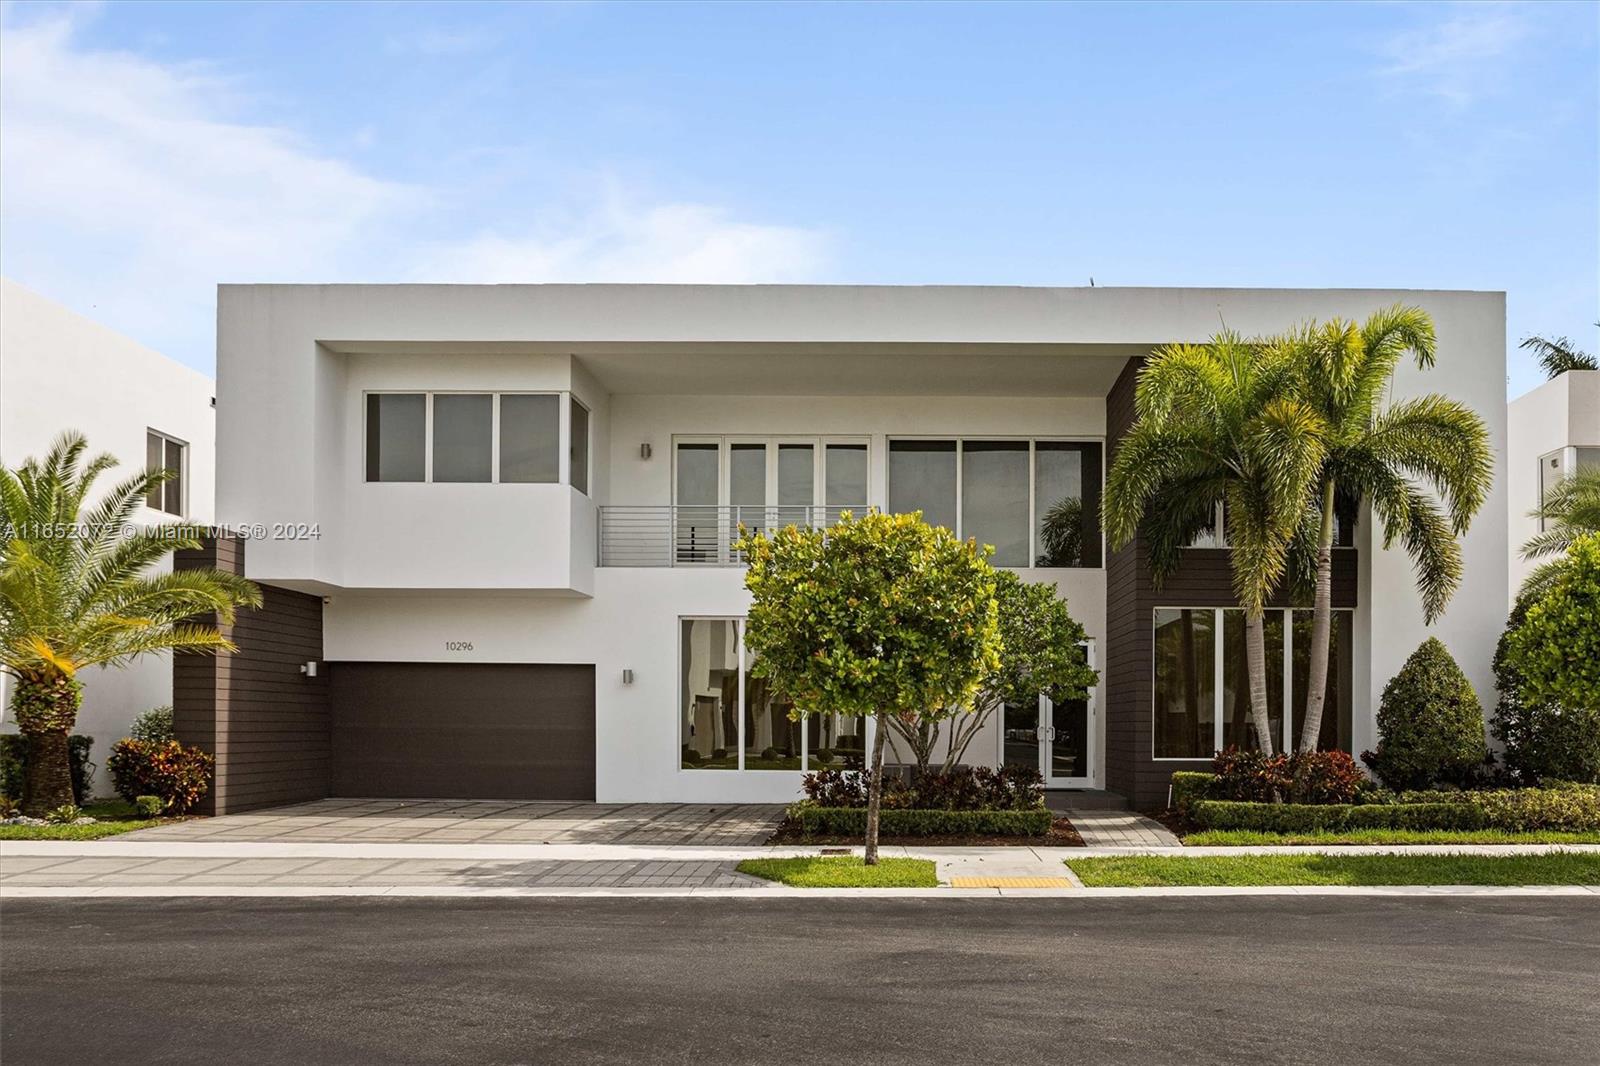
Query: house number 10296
(458, 645)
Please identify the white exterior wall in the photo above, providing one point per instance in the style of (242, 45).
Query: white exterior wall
(294, 361)
(60, 371)
(1562, 413)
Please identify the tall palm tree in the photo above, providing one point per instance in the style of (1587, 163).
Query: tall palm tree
(76, 590)
(1219, 425)
(1379, 452)
(1558, 355)
(1569, 510)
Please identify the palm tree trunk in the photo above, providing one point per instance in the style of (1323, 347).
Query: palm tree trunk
(1321, 626)
(1255, 650)
(48, 779)
(875, 791)
(45, 708)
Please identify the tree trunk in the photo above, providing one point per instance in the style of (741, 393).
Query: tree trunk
(1255, 647)
(48, 781)
(1321, 627)
(875, 791)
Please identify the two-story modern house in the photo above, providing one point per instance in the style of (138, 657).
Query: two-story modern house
(494, 524)
(1552, 432)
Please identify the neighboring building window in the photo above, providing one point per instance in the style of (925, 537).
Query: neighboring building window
(730, 719)
(1036, 501)
(1552, 468)
(463, 442)
(530, 438)
(397, 436)
(1194, 716)
(1215, 535)
(162, 452)
(578, 473)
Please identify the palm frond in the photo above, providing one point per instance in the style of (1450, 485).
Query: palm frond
(1557, 355)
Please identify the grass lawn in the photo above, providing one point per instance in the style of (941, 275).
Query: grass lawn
(1225, 837)
(844, 871)
(114, 817)
(1143, 871)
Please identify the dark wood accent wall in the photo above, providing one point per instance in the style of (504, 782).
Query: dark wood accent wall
(1204, 580)
(266, 723)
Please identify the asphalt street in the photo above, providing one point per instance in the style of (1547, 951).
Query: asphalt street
(1192, 981)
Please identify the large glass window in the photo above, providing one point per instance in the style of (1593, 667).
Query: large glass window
(845, 475)
(696, 474)
(1337, 703)
(922, 477)
(994, 498)
(578, 473)
(1237, 728)
(797, 483)
(771, 739)
(835, 741)
(397, 436)
(530, 438)
(709, 701)
(1185, 683)
(462, 439)
(1194, 718)
(1066, 501)
(162, 452)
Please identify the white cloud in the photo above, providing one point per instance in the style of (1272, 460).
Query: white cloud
(131, 188)
(1458, 56)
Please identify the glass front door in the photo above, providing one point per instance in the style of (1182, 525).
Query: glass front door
(1057, 739)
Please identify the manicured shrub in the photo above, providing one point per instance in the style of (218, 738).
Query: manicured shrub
(1557, 648)
(1569, 807)
(148, 806)
(154, 725)
(1296, 818)
(852, 821)
(1304, 777)
(769, 754)
(1430, 724)
(963, 788)
(180, 776)
(1543, 739)
(1188, 787)
(14, 765)
(692, 757)
(1249, 775)
(1324, 777)
(823, 755)
(719, 753)
(65, 814)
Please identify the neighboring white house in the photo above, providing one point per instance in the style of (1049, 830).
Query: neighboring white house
(60, 371)
(1552, 432)
(498, 519)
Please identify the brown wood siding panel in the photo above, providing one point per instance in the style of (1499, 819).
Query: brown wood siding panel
(1204, 579)
(264, 720)
(463, 730)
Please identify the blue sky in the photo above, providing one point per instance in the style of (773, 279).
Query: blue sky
(149, 151)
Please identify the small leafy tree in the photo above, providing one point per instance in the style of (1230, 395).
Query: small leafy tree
(77, 590)
(1041, 651)
(883, 617)
(1430, 723)
(1542, 739)
(1556, 650)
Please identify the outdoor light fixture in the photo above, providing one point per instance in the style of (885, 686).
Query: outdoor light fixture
(644, 450)
(627, 675)
(309, 669)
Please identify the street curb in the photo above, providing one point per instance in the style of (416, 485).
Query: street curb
(775, 892)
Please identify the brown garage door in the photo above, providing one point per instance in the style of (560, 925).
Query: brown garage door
(463, 730)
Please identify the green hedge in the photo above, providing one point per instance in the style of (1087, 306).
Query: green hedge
(1567, 807)
(14, 762)
(1188, 788)
(852, 821)
(1334, 817)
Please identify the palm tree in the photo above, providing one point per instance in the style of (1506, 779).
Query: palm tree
(1219, 425)
(76, 590)
(1569, 510)
(1558, 356)
(1378, 453)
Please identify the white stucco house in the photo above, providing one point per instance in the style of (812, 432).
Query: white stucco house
(492, 523)
(1552, 432)
(61, 371)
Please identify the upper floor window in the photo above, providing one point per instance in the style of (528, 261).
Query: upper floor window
(472, 437)
(1036, 501)
(1215, 533)
(162, 452)
(578, 474)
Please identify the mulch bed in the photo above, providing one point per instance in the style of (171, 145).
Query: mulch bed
(1061, 835)
(1170, 819)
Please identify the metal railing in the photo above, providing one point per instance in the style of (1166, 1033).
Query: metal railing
(696, 534)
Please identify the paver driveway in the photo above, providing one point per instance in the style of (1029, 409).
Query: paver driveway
(383, 821)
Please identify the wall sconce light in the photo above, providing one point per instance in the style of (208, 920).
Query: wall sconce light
(644, 451)
(309, 669)
(627, 677)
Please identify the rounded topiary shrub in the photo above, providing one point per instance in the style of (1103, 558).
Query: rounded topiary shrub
(1543, 739)
(1430, 724)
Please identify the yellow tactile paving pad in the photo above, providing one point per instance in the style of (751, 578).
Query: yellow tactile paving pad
(1010, 882)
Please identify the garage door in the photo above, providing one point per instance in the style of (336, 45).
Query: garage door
(459, 730)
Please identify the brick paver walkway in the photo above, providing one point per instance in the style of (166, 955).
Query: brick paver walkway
(374, 821)
(1118, 829)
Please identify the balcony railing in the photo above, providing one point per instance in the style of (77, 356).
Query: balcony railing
(694, 534)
